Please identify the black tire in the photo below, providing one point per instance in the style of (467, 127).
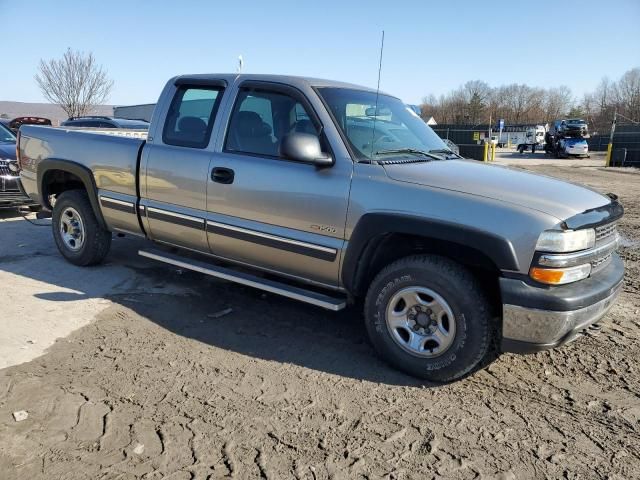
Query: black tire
(97, 240)
(470, 307)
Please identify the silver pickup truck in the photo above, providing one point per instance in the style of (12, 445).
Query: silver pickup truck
(331, 193)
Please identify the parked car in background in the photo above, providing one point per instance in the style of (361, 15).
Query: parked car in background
(15, 124)
(574, 147)
(105, 122)
(573, 127)
(11, 193)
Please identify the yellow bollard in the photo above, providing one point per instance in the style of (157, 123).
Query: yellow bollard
(608, 158)
(493, 152)
(486, 152)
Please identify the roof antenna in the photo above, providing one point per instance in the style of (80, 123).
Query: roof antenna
(240, 64)
(375, 112)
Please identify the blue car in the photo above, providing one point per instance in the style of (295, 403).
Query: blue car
(11, 193)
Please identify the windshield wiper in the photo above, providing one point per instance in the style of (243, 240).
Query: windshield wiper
(445, 151)
(413, 151)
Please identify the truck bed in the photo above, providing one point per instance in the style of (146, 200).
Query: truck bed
(112, 159)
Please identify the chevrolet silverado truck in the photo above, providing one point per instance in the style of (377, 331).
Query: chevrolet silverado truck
(335, 194)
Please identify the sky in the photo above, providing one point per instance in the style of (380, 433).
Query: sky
(430, 47)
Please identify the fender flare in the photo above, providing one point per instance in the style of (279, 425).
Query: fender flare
(373, 226)
(80, 171)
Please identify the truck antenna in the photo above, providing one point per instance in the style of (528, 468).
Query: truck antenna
(375, 112)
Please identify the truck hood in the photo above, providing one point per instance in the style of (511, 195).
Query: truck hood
(538, 192)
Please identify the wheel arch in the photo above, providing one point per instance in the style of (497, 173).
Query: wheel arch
(55, 176)
(381, 238)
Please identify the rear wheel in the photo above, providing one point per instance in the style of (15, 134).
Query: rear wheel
(77, 233)
(427, 316)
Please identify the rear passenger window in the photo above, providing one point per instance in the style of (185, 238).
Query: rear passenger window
(260, 120)
(191, 115)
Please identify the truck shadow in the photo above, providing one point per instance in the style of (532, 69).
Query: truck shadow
(201, 308)
(265, 326)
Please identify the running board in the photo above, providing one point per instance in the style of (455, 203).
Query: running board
(297, 293)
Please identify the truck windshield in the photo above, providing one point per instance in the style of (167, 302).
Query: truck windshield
(393, 129)
(6, 135)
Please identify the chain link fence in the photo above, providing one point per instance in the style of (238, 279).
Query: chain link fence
(625, 149)
(467, 138)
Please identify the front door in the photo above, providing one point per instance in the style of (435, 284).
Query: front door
(176, 167)
(267, 211)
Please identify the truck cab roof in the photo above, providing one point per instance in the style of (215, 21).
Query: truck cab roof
(292, 80)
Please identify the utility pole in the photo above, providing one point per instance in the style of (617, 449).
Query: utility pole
(490, 127)
(613, 129)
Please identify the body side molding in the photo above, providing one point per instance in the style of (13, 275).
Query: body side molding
(275, 241)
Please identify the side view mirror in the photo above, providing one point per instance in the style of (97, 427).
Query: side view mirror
(304, 147)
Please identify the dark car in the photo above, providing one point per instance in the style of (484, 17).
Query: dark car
(15, 124)
(574, 127)
(106, 122)
(11, 193)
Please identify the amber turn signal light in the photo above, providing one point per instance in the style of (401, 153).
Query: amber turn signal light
(560, 276)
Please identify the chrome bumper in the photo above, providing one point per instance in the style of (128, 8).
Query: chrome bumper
(527, 330)
(12, 193)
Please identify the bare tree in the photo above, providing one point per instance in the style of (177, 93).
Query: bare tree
(75, 82)
(627, 94)
(476, 95)
(475, 101)
(557, 102)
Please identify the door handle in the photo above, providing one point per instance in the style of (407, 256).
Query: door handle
(222, 175)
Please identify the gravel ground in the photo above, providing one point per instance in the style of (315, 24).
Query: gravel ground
(167, 385)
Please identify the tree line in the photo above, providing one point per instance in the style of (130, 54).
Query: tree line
(476, 102)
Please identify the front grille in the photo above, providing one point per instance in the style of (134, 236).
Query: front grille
(599, 263)
(604, 235)
(8, 199)
(605, 231)
(9, 184)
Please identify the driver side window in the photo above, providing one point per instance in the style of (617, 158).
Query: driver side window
(261, 119)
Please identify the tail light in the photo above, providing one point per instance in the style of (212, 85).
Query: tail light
(18, 150)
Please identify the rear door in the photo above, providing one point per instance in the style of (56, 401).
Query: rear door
(267, 211)
(175, 167)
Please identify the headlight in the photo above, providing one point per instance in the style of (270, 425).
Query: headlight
(560, 276)
(562, 241)
(10, 163)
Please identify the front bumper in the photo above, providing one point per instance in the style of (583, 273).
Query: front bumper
(578, 151)
(11, 192)
(539, 318)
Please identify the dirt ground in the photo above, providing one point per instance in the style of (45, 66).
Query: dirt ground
(159, 386)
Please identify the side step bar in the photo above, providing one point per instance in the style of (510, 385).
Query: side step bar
(297, 293)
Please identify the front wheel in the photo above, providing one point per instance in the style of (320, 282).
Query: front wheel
(77, 233)
(427, 316)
